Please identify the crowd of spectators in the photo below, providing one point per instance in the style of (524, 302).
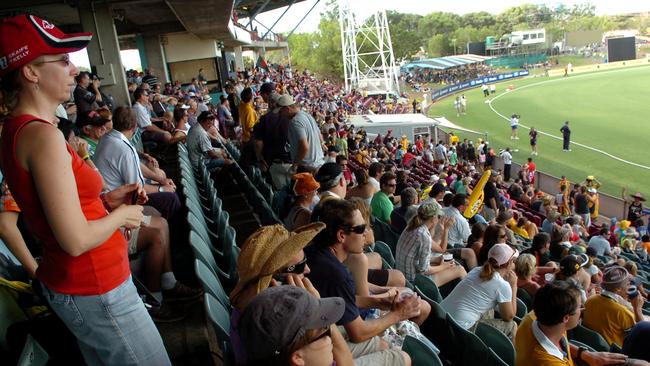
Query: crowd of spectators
(319, 293)
(454, 75)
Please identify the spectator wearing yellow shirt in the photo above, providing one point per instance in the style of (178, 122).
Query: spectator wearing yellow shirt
(453, 139)
(541, 338)
(609, 313)
(247, 116)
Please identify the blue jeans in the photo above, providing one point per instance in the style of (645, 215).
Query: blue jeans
(113, 328)
(213, 164)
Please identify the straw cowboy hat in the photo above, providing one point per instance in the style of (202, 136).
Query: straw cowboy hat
(639, 196)
(266, 251)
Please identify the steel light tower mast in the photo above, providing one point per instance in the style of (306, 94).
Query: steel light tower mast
(368, 61)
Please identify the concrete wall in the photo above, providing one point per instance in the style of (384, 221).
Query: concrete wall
(185, 47)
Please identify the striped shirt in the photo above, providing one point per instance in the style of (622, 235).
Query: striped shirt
(413, 253)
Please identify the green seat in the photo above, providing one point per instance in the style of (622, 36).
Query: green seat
(33, 354)
(494, 359)
(211, 283)
(470, 349)
(427, 287)
(448, 287)
(219, 317)
(422, 352)
(202, 252)
(522, 309)
(200, 227)
(497, 341)
(589, 337)
(525, 297)
(440, 332)
(384, 233)
(580, 344)
(384, 251)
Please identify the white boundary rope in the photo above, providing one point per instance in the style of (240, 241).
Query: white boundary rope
(558, 137)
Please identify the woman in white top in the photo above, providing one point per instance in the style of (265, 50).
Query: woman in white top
(485, 287)
(415, 245)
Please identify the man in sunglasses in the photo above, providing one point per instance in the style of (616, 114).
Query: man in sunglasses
(84, 97)
(344, 235)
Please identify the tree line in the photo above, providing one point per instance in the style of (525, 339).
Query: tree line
(441, 33)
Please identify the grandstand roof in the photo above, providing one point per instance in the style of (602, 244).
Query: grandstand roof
(250, 7)
(447, 62)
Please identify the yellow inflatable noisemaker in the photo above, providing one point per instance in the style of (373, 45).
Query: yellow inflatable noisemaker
(475, 200)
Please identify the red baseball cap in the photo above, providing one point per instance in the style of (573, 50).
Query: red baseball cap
(25, 37)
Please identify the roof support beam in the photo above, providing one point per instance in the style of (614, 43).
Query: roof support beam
(303, 18)
(280, 17)
(259, 10)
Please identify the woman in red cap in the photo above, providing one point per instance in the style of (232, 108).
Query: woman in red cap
(84, 270)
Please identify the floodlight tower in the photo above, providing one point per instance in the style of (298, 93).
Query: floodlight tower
(368, 61)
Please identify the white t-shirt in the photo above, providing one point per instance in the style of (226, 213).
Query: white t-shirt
(142, 115)
(374, 182)
(514, 121)
(507, 157)
(472, 297)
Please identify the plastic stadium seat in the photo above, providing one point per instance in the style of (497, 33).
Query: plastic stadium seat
(525, 297)
(522, 309)
(210, 283)
(384, 233)
(202, 252)
(219, 317)
(468, 346)
(497, 341)
(33, 354)
(384, 251)
(427, 287)
(494, 359)
(580, 344)
(589, 337)
(421, 352)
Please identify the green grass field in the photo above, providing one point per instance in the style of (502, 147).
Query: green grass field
(608, 111)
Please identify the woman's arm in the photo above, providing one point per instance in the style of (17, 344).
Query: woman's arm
(12, 237)
(41, 150)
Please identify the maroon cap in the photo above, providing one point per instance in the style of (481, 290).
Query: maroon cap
(25, 37)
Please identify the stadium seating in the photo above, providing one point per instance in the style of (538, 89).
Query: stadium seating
(421, 351)
(589, 337)
(219, 317)
(210, 283)
(497, 341)
(426, 287)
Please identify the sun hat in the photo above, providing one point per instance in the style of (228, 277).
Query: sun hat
(327, 175)
(429, 209)
(280, 316)
(638, 195)
(285, 100)
(502, 253)
(615, 277)
(266, 251)
(624, 224)
(304, 183)
(26, 37)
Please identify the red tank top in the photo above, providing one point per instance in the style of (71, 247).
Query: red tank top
(95, 272)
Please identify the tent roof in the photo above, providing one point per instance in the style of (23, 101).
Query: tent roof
(447, 62)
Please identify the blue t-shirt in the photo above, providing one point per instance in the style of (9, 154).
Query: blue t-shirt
(332, 279)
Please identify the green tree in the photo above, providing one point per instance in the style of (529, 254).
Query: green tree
(438, 45)
(404, 34)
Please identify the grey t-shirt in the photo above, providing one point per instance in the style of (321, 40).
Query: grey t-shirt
(198, 144)
(117, 160)
(303, 126)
